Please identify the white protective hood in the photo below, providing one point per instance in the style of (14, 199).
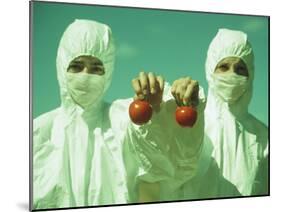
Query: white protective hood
(84, 37)
(228, 43)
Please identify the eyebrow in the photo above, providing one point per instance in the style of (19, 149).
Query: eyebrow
(241, 65)
(96, 63)
(76, 62)
(222, 64)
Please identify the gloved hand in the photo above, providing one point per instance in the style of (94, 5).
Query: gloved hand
(185, 91)
(149, 87)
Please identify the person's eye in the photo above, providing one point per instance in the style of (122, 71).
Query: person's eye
(97, 63)
(75, 68)
(223, 67)
(98, 70)
(241, 70)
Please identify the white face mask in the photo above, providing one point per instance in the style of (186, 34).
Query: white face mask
(229, 86)
(85, 89)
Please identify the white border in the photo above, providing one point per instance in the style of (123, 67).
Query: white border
(14, 103)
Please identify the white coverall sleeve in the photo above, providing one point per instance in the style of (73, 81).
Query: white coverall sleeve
(261, 180)
(164, 149)
(147, 142)
(44, 178)
(185, 144)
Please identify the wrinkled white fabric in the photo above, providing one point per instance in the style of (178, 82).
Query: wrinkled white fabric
(239, 141)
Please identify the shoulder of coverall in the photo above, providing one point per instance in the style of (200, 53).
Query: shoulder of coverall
(43, 124)
(255, 126)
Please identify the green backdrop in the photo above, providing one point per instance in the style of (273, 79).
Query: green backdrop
(170, 43)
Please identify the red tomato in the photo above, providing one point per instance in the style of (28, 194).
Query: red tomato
(186, 116)
(140, 112)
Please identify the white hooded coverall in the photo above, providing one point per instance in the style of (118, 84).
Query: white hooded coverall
(239, 141)
(78, 155)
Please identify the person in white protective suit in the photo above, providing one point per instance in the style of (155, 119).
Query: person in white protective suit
(237, 141)
(75, 161)
(233, 159)
(87, 152)
(81, 148)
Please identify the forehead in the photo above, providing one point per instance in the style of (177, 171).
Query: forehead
(86, 59)
(232, 60)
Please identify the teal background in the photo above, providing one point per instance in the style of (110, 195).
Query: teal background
(169, 43)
